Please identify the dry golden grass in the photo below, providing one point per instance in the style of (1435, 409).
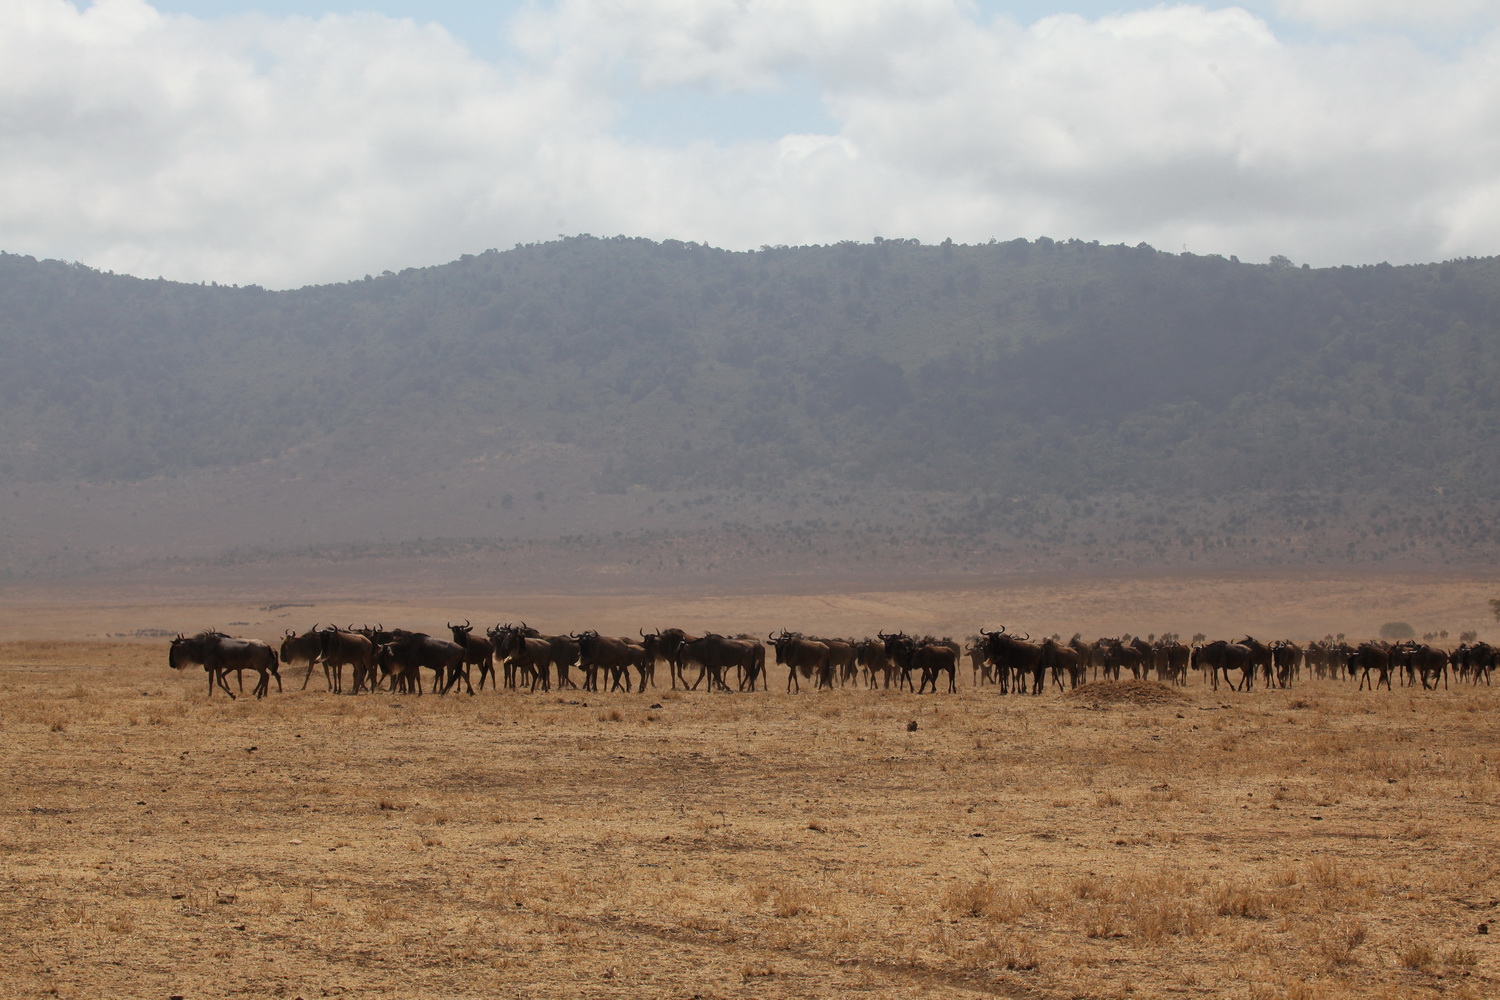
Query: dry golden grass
(1319, 844)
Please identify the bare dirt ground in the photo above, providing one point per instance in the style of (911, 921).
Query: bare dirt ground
(425, 594)
(1314, 843)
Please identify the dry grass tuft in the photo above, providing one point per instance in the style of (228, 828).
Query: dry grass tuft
(1417, 954)
(1335, 944)
(969, 899)
(1243, 902)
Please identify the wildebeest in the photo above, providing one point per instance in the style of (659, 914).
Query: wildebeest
(715, 654)
(930, 656)
(1087, 654)
(872, 659)
(801, 655)
(1059, 659)
(218, 654)
(479, 651)
(305, 648)
(411, 650)
(1473, 660)
(666, 644)
(1172, 661)
(1286, 657)
(1422, 661)
(982, 670)
(843, 659)
(1221, 656)
(612, 654)
(1018, 656)
(1261, 654)
(1368, 656)
(524, 652)
(342, 648)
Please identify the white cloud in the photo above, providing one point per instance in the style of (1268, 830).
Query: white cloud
(286, 151)
(1407, 13)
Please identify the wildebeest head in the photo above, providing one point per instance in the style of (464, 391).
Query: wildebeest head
(179, 656)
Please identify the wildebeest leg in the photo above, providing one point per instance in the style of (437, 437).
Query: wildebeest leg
(218, 675)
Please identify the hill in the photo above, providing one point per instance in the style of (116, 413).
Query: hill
(1079, 401)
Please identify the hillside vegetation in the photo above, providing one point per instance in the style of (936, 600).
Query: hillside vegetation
(1003, 373)
(1046, 366)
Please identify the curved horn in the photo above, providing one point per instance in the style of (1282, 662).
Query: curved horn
(466, 623)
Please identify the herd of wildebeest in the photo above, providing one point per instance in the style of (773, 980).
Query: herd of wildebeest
(393, 660)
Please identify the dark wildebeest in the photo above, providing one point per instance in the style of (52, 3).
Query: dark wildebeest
(405, 675)
(1019, 656)
(218, 654)
(445, 659)
(800, 654)
(305, 648)
(715, 654)
(1286, 657)
(563, 659)
(1422, 661)
(1118, 654)
(979, 663)
(667, 644)
(1172, 661)
(928, 655)
(1263, 657)
(478, 651)
(1148, 656)
(523, 652)
(872, 658)
(1224, 656)
(1473, 660)
(843, 659)
(1060, 659)
(1368, 656)
(1087, 654)
(348, 648)
(612, 654)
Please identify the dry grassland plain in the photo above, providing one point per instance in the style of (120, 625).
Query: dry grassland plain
(1312, 843)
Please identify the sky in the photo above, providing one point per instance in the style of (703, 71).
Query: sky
(286, 143)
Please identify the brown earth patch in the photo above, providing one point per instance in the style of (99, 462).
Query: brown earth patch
(1320, 844)
(1130, 692)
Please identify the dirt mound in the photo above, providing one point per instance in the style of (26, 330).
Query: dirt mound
(1127, 693)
